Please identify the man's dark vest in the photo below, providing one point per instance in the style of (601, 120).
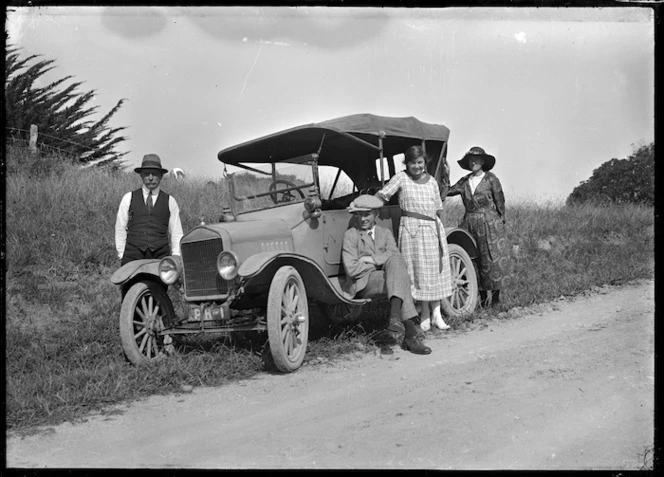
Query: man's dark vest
(148, 229)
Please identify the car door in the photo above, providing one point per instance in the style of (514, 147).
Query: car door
(335, 224)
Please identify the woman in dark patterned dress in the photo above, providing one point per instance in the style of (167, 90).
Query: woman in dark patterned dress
(483, 198)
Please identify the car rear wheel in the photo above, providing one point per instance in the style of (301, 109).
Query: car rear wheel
(464, 284)
(146, 310)
(287, 319)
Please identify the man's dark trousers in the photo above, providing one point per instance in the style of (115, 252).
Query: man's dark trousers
(132, 253)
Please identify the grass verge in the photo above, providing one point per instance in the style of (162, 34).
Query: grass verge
(63, 355)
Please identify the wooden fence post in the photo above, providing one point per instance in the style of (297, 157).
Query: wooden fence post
(32, 147)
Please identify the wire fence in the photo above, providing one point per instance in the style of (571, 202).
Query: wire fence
(18, 138)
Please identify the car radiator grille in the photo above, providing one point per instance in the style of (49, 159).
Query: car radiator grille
(200, 269)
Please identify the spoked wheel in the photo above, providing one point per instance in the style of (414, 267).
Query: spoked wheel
(340, 312)
(146, 310)
(287, 319)
(464, 284)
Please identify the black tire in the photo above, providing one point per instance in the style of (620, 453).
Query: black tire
(287, 319)
(146, 309)
(464, 284)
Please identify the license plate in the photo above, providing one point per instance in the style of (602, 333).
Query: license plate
(206, 313)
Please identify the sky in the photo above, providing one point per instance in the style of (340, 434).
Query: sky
(552, 93)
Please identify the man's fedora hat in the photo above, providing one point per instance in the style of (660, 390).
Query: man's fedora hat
(488, 160)
(365, 203)
(151, 161)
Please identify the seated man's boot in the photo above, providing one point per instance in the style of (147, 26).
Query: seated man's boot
(396, 330)
(390, 336)
(413, 339)
(415, 345)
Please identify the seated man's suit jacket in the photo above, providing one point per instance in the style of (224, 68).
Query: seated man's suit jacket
(357, 243)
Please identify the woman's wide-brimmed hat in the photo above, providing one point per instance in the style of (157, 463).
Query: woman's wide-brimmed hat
(489, 160)
(151, 161)
(365, 203)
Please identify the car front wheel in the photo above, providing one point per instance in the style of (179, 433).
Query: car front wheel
(146, 311)
(287, 319)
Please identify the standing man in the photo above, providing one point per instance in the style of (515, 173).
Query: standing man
(374, 266)
(148, 222)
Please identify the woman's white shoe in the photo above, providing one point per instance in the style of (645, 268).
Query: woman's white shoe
(425, 317)
(438, 321)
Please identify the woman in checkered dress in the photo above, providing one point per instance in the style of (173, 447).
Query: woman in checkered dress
(422, 238)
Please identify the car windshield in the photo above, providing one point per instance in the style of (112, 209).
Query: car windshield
(265, 185)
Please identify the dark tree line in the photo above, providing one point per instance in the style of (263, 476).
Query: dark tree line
(630, 180)
(60, 111)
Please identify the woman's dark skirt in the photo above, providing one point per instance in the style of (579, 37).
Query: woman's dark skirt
(493, 262)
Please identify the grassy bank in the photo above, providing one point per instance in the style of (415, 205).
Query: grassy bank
(63, 354)
(561, 250)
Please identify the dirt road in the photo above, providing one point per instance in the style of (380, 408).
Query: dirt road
(570, 388)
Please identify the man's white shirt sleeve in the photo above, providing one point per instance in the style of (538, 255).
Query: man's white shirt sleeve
(174, 226)
(121, 224)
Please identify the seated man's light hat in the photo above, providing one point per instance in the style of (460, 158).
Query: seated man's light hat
(365, 203)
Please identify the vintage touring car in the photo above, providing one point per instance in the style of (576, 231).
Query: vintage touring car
(276, 249)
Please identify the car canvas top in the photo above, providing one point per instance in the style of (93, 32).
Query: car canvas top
(345, 142)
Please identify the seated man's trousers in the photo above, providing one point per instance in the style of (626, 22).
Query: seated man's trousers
(392, 280)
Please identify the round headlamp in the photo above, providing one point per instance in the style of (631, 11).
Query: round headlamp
(312, 203)
(227, 265)
(169, 270)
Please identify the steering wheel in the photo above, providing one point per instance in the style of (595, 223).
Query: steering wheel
(286, 195)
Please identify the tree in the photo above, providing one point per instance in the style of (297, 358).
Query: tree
(630, 180)
(59, 110)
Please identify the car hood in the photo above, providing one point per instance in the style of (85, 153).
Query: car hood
(247, 237)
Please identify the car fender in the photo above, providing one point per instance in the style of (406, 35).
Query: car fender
(128, 271)
(257, 271)
(462, 238)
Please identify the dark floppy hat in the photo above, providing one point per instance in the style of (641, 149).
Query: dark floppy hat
(487, 165)
(151, 161)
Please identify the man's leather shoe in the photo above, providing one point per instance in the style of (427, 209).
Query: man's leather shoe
(384, 338)
(392, 335)
(414, 345)
(397, 331)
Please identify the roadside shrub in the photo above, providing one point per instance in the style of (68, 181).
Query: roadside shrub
(620, 181)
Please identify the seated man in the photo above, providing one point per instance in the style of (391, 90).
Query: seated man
(375, 266)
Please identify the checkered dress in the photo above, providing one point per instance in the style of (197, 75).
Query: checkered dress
(418, 240)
